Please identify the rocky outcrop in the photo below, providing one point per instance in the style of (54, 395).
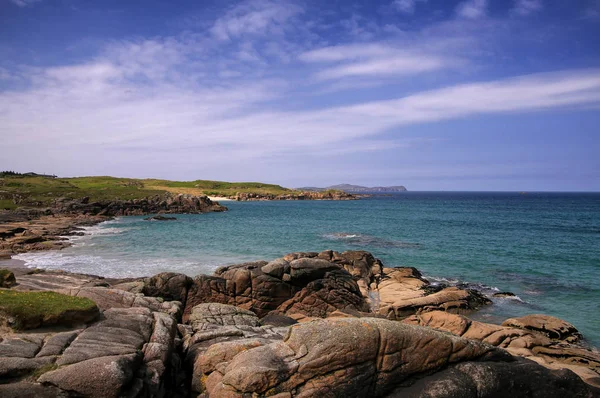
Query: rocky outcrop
(309, 284)
(536, 344)
(129, 351)
(167, 203)
(311, 287)
(550, 326)
(375, 358)
(306, 324)
(308, 195)
(160, 218)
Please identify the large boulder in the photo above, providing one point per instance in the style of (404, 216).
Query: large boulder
(531, 343)
(337, 290)
(168, 285)
(315, 286)
(371, 357)
(215, 334)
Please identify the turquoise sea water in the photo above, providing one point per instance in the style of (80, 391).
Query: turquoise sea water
(544, 247)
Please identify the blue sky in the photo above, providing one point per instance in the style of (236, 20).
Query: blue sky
(431, 94)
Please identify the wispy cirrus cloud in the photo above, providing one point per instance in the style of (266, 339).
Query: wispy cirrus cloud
(527, 7)
(374, 60)
(25, 3)
(472, 9)
(255, 17)
(406, 6)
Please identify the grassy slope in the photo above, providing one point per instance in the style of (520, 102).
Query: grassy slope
(33, 307)
(41, 191)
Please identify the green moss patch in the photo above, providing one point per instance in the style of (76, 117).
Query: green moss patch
(29, 310)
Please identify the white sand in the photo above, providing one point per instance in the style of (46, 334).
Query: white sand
(219, 198)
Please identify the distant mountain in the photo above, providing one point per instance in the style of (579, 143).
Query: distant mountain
(356, 188)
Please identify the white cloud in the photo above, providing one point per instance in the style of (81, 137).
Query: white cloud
(375, 60)
(255, 17)
(472, 9)
(526, 7)
(25, 3)
(185, 127)
(406, 6)
(406, 64)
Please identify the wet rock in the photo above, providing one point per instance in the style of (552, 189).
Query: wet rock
(504, 294)
(160, 218)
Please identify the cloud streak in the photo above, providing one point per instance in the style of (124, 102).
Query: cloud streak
(472, 9)
(527, 7)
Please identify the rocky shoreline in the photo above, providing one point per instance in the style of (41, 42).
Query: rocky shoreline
(306, 324)
(308, 195)
(32, 229)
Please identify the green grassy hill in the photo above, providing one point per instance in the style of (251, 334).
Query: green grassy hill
(38, 191)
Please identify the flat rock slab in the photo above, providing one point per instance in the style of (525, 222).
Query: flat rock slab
(30, 390)
(12, 367)
(97, 377)
(215, 314)
(124, 331)
(23, 346)
(552, 327)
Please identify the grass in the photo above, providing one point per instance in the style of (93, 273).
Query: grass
(42, 191)
(31, 309)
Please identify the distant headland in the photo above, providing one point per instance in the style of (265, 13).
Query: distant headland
(349, 188)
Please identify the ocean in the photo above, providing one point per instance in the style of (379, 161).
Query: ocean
(543, 247)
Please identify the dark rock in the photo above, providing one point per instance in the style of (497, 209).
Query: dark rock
(336, 291)
(277, 320)
(503, 294)
(520, 379)
(13, 367)
(7, 278)
(168, 285)
(30, 390)
(160, 218)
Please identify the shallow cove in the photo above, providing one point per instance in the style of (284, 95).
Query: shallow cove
(544, 247)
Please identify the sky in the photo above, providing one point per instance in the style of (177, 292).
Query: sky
(431, 94)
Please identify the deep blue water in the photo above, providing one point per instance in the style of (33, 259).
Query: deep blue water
(544, 247)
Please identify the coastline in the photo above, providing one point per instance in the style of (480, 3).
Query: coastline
(318, 299)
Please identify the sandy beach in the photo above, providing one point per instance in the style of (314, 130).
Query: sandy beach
(219, 198)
